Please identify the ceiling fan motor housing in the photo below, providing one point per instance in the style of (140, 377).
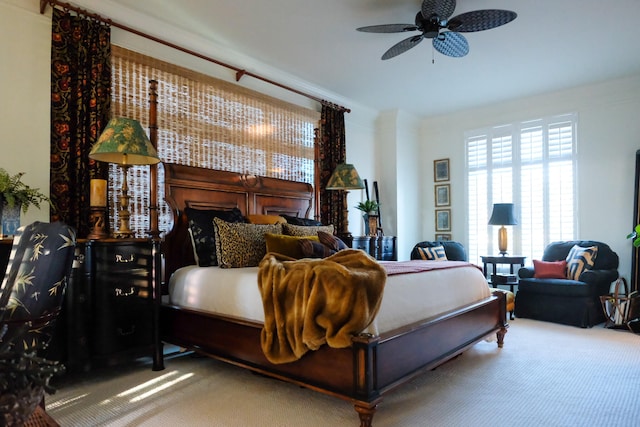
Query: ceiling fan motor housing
(431, 26)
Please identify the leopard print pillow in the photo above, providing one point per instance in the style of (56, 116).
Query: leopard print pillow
(241, 244)
(305, 230)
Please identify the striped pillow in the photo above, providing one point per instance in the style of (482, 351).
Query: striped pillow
(333, 242)
(435, 253)
(313, 249)
(580, 259)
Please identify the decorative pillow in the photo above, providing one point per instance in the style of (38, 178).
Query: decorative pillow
(286, 245)
(202, 232)
(434, 253)
(241, 244)
(313, 249)
(549, 269)
(302, 230)
(331, 241)
(265, 219)
(580, 259)
(296, 220)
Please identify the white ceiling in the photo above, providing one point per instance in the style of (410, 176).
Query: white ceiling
(553, 44)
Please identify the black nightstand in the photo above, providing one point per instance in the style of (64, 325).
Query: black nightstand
(110, 315)
(120, 276)
(383, 248)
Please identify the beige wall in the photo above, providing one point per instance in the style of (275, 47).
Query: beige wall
(24, 85)
(608, 137)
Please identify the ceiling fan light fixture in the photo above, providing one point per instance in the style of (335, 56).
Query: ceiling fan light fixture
(434, 17)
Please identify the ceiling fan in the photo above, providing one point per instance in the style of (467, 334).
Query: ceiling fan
(434, 23)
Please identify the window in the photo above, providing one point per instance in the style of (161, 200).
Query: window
(531, 164)
(205, 122)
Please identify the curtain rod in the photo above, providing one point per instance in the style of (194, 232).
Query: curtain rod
(239, 71)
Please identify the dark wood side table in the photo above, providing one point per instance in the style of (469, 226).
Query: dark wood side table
(502, 259)
(122, 276)
(110, 315)
(382, 248)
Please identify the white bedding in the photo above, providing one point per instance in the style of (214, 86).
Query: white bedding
(407, 297)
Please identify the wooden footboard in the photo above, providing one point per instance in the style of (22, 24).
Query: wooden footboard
(362, 374)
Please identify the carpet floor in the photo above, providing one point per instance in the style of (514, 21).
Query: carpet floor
(546, 375)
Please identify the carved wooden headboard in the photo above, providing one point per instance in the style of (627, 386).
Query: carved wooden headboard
(189, 186)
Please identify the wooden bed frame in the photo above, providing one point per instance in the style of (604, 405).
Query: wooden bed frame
(363, 373)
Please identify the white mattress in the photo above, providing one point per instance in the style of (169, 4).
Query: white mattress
(407, 297)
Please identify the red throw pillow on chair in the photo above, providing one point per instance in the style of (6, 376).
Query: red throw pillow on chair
(549, 269)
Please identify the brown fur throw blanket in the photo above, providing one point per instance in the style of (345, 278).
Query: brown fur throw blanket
(310, 302)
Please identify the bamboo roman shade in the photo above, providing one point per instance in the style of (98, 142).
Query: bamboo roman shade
(210, 123)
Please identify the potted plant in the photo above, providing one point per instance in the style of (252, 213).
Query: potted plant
(24, 378)
(15, 196)
(370, 216)
(635, 235)
(369, 207)
(14, 192)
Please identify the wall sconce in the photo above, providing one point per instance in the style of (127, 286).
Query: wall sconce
(503, 214)
(344, 178)
(125, 143)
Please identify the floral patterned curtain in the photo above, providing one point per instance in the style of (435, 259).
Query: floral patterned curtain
(80, 108)
(331, 153)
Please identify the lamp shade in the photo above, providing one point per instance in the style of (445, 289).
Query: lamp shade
(345, 177)
(503, 214)
(124, 142)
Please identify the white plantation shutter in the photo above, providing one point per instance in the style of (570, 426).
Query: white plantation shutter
(477, 187)
(532, 195)
(531, 164)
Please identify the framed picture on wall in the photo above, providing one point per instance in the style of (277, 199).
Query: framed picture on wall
(443, 237)
(441, 170)
(443, 219)
(442, 195)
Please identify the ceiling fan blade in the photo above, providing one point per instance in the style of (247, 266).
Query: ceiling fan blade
(442, 8)
(388, 28)
(402, 47)
(451, 44)
(480, 20)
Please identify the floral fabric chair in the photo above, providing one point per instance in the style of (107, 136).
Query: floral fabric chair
(35, 281)
(31, 296)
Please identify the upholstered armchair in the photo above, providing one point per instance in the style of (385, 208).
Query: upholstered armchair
(31, 296)
(36, 278)
(565, 286)
(453, 250)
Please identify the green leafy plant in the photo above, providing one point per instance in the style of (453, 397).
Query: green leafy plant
(368, 206)
(15, 192)
(24, 377)
(635, 235)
